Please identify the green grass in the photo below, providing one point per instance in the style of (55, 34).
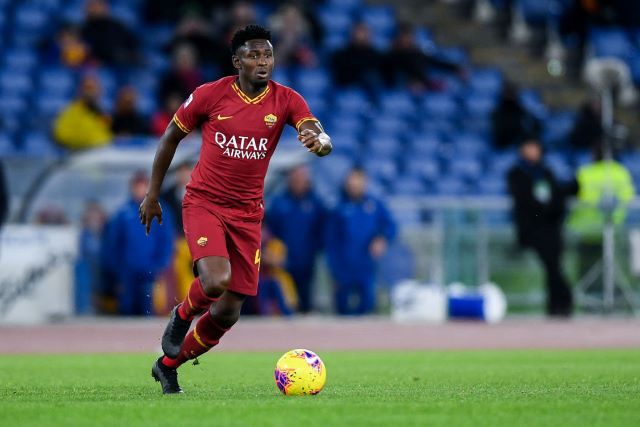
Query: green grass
(398, 389)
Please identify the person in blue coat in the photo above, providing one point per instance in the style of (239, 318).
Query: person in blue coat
(358, 232)
(134, 258)
(296, 218)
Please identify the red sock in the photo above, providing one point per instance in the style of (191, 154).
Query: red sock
(195, 302)
(205, 335)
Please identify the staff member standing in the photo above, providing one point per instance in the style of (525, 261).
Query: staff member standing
(539, 212)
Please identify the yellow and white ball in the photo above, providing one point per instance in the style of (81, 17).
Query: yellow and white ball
(300, 372)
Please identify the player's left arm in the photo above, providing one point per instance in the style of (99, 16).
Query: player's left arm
(312, 135)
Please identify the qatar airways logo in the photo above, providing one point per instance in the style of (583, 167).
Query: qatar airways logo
(242, 147)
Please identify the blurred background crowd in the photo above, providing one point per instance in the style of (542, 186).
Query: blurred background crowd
(452, 104)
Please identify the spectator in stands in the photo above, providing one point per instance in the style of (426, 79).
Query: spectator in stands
(195, 31)
(359, 54)
(358, 231)
(539, 211)
(110, 41)
(184, 76)
(163, 116)
(83, 124)
(126, 118)
(276, 290)
(134, 258)
(511, 122)
(292, 35)
(407, 65)
(296, 217)
(587, 130)
(88, 269)
(66, 48)
(605, 189)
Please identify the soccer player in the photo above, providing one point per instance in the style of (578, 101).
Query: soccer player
(242, 118)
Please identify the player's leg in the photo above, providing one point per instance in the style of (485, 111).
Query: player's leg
(126, 293)
(232, 280)
(214, 273)
(205, 235)
(343, 298)
(209, 329)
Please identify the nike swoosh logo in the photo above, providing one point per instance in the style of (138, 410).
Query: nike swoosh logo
(223, 117)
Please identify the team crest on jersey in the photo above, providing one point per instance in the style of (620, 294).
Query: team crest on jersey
(202, 241)
(270, 120)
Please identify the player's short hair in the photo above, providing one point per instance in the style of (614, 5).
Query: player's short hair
(250, 32)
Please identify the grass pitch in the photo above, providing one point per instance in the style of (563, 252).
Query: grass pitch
(447, 388)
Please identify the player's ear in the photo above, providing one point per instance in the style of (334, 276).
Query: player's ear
(235, 60)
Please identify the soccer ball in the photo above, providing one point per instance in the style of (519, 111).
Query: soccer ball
(300, 372)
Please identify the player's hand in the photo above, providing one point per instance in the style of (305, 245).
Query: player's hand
(310, 139)
(150, 208)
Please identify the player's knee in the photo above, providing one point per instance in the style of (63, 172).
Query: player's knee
(215, 283)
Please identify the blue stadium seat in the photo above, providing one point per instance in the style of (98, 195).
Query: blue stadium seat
(281, 75)
(60, 81)
(390, 126)
(12, 103)
(7, 147)
(352, 100)
(142, 79)
(470, 144)
(49, 106)
(480, 104)
(425, 41)
(335, 21)
(442, 126)
(20, 60)
(17, 83)
(557, 128)
(39, 144)
(345, 6)
(467, 167)
(440, 105)
(397, 103)
(157, 36)
(30, 18)
(108, 80)
(501, 161)
(380, 168)
(345, 125)
(456, 55)
(126, 14)
(423, 168)
(346, 144)
(425, 144)
(532, 102)
(486, 80)
(560, 166)
(334, 40)
(409, 186)
(492, 185)
(147, 103)
(381, 19)
(383, 145)
(450, 186)
(311, 81)
(616, 42)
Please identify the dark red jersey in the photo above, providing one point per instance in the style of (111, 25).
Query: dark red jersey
(239, 136)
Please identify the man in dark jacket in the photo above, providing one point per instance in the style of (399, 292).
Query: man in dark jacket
(359, 230)
(359, 54)
(296, 217)
(134, 258)
(539, 211)
(510, 121)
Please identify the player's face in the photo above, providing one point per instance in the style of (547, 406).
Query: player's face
(255, 61)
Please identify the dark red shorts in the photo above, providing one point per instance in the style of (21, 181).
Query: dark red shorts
(209, 233)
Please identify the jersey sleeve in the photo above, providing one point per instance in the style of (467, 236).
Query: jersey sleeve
(193, 111)
(299, 111)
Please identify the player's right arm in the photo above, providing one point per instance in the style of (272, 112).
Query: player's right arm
(190, 114)
(150, 207)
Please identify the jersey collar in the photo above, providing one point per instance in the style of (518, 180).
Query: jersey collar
(245, 98)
